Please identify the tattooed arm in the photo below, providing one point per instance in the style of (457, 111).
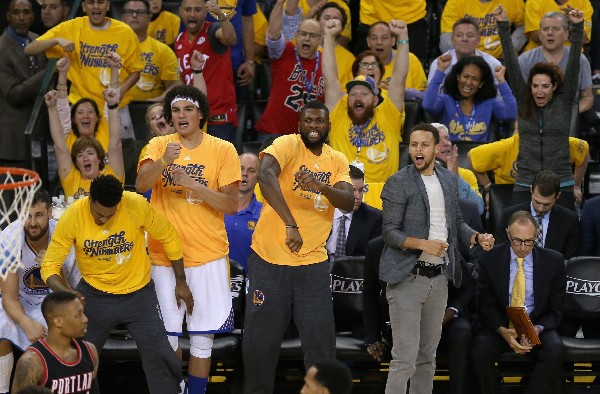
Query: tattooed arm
(29, 371)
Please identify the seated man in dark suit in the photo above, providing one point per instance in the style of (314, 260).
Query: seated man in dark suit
(590, 224)
(352, 231)
(558, 227)
(456, 332)
(519, 273)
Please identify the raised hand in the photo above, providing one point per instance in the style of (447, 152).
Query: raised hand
(114, 60)
(575, 15)
(443, 62)
(50, 98)
(500, 13)
(499, 73)
(333, 27)
(197, 60)
(171, 153)
(63, 64)
(399, 29)
(111, 96)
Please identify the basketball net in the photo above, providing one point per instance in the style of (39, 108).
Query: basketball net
(17, 188)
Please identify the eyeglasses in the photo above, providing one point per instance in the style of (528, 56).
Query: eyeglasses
(135, 12)
(363, 189)
(371, 66)
(519, 241)
(312, 36)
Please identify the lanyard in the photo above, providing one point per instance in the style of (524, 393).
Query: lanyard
(358, 131)
(307, 86)
(463, 119)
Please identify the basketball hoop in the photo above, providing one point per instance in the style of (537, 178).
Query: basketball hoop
(17, 188)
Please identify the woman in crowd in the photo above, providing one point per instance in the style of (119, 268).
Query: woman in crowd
(544, 101)
(469, 101)
(86, 159)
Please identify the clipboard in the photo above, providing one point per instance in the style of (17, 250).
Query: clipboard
(520, 319)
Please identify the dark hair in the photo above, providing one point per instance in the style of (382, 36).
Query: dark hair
(187, 92)
(146, 3)
(522, 217)
(547, 183)
(315, 104)
(55, 300)
(465, 21)
(332, 4)
(106, 190)
(361, 56)
(12, 3)
(556, 78)
(74, 110)
(334, 375)
(356, 173)
(426, 127)
(83, 143)
(41, 195)
(32, 389)
(487, 89)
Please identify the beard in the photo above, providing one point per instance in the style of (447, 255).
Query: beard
(364, 117)
(42, 233)
(312, 144)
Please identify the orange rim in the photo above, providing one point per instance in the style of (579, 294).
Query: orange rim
(34, 178)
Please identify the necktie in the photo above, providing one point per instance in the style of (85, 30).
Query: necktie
(539, 237)
(517, 297)
(340, 241)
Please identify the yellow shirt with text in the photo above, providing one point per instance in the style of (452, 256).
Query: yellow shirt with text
(89, 72)
(314, 225)
(112, 257)
(347, 31)
(160, 65)
(415, 79)
(214, 163)
(74, 185)
(165, 28)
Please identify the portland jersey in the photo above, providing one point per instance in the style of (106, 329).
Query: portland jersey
(64, 377)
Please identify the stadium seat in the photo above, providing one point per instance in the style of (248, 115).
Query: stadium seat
(412, 116)
(137, 110)
(500, 198)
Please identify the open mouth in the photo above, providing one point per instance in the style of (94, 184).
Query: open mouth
(359, 108)
(419, 160)
(87, 167)
(183, 125)
(540, 100)
(314, 135)
(192, 23)
(162, 126)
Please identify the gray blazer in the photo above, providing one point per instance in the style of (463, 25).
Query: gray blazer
(406, 214)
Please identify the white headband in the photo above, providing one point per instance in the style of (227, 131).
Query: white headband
(181, 98)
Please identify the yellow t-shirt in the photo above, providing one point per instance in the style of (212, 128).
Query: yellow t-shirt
(260, 27)
(102, 135)
(536, 9)
(483, 14)
(214, 163)
(89, 71)
(415, 79)
(379, 142)
(409, 11)
(269, 236)
(347, 32)
(500, 157)
(112, 258)
(469, 177)
(344, 59)
(77, 186)
(160, 65)
(165, 28)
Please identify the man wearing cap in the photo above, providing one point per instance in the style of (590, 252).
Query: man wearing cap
(364, 128)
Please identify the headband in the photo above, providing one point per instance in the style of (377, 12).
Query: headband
(182, 98)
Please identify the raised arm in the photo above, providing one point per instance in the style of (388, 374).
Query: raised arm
(226, 33)
(63, 156)
(197, 63)
(505, 109)
(517, 82)
(397, 86)
(571, 81)
(111, 96)
(432, 100)
(62, 103)
(333, 89)
(276, 21)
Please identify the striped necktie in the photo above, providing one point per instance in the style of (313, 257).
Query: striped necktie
(340, 241)
(539, 237)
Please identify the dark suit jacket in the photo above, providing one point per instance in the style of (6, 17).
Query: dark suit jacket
(590, 224)
(19, 86)
(365, 225)
(549, 285)
(563, 234)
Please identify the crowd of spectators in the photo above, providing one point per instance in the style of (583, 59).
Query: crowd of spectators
(519, 68)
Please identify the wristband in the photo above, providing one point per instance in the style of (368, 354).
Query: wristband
(197, 71)
(112, 106)
(291, 226)
(400, 42)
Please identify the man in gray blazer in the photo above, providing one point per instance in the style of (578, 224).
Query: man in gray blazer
(422, 226)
